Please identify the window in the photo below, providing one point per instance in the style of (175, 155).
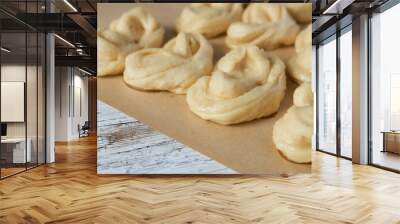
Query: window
(333, 137)
(346, 93)
(327, 96)
(385, 89)
(394, 101)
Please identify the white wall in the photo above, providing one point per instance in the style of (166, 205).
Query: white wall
(70, 83)
(13, 101)
(62, 81)
(79, 117)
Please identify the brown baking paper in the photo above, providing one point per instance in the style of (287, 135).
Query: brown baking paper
(247, 148)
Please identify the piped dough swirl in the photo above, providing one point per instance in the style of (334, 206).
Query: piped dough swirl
(299, 65)
(174, 68)
(134, 30)
(267, 25)
(209, 19)
(292, 133)
(246, 84)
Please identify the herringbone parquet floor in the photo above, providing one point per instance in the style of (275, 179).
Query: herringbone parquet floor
(69, 191)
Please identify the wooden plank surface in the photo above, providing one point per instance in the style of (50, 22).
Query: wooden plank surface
(127, 146)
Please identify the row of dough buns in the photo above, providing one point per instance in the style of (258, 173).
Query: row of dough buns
(134, 30)
(138, 29)
(213, 19)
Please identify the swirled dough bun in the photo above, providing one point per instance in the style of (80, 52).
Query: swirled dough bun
(246, 84)
(134, 30)
(299, 65)
(174, 68)
(267, 25)
(209, 19)
(292, 133)
(301, 12)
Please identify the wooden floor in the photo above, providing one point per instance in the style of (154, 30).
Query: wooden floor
(69, 191)
(387, 159)
(11, 170)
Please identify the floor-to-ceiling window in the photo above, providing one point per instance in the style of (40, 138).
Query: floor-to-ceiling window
(22, 77)
(327, 95)
(334, 94)
(385, 89)
(345, 92)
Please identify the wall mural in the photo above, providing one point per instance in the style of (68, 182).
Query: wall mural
(204, 89)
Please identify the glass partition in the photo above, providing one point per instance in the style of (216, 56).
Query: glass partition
(14, 153)
(22, 77)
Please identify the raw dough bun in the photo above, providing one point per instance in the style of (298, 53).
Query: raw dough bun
(292, 133)
(209, 19)
(267, 25)
(175, 67)
(246, 84)
(111, 54)
(134, 30)
(299, 65)
(301, 12)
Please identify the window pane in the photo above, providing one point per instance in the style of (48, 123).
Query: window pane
(385, 80)
(327, 97)
(346, 94)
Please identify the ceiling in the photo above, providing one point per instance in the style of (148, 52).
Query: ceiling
(74, 22)
(332, 15)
